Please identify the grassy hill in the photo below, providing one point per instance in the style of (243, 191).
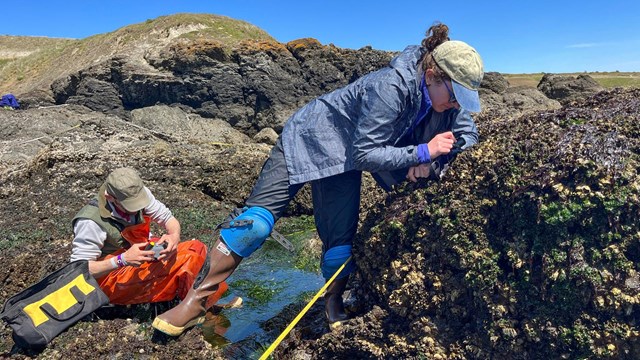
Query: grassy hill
(42, 60)
(15, 47)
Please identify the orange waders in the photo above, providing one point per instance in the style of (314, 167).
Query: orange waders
(156, 281)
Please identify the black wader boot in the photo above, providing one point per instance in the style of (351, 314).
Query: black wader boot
(333, 305)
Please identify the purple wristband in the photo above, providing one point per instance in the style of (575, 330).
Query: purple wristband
(423, 154)
(120, 261)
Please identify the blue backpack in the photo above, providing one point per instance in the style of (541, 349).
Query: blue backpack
(10, 101)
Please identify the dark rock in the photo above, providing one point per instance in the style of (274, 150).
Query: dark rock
(567, 88)
(97, 95)
(251, 86)
(493, 82)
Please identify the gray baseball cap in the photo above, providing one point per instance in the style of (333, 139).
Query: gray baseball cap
(463, 65)
(127, 187)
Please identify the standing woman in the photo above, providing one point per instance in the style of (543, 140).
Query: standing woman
(402, 119)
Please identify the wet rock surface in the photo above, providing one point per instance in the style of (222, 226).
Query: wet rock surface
(53, 161)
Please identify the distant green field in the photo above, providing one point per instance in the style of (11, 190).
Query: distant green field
(606, 79)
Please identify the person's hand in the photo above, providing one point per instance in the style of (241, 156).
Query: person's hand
(441, 144)
(136, 254)
(172, 241)
(420, 171)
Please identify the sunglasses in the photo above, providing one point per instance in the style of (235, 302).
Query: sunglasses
(452, 96)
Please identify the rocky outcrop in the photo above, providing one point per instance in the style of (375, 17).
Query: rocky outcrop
(568, 88)
(77, 146)
(251, 86)
(500, 101)
(493, 83)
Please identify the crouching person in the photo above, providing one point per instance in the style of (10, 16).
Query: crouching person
(395, 123)
(113, 232)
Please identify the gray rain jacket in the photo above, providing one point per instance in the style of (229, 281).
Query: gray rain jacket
(360, 126)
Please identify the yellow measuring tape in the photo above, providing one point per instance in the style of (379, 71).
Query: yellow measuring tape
(301, 314)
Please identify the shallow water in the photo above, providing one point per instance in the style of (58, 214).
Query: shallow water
(241, 326)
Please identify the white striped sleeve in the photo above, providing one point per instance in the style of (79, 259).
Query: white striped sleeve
(158, 211)
(88, 241)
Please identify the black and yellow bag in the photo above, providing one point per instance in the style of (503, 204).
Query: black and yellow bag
(44, 310)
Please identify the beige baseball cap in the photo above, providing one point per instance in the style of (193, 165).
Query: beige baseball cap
(465, 68)
(127, 187)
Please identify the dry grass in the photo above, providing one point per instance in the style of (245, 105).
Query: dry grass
(13, 47)
(606, 79)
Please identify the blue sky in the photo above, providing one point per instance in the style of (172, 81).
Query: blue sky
(512, 36)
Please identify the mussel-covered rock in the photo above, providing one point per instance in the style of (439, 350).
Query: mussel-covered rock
(527, 249)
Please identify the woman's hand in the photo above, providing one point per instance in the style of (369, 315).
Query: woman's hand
(172, 241)
(441, 144)
(420, 171)
(136, 254)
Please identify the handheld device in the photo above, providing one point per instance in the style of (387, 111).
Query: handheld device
(156, 248)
